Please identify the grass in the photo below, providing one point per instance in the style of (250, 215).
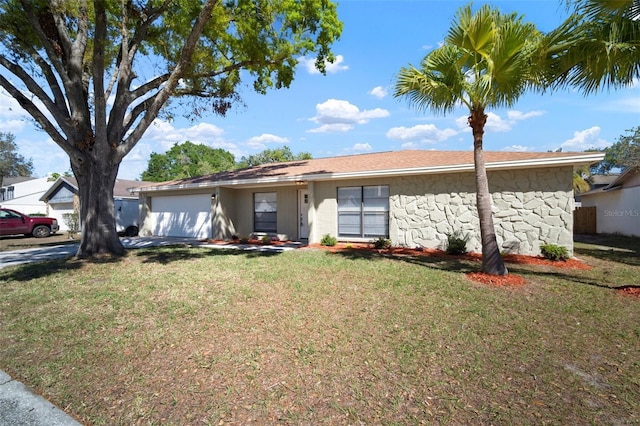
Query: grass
(186, 336)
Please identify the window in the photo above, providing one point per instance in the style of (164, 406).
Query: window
(265, 207)
(6, 194)
(363, 211)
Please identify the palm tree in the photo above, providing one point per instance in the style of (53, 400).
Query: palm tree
(597, 47)
(485, 61)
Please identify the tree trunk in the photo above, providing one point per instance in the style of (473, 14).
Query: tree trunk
(492, 262)
(97, 211)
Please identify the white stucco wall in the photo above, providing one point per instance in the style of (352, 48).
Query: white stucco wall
(617, 211)
(27, 196)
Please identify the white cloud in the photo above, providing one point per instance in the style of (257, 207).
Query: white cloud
(516, 148)
(379, 92)
(162, 135)
(423, 133)
(332, 68)
(519, 116)
(585, 139)
(336, 115)
(165, 135)
(362, 147)
(332, 128)
(259, 142)
(13, 118)
(497, 124)
(409, 145)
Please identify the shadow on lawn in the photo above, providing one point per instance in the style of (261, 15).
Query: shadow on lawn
(611, 248)
(445, 263)
(570, 275)
(170, 254)
(30, 271)
(454, 264)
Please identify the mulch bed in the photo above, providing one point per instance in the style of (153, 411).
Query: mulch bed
(510, 280)
(632, 291)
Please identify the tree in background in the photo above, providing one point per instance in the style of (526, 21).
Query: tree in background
(55, 175)
(12, 164)
(485, 61)
(621, 155)
(95, 75)
(276, 155)
(187, 160)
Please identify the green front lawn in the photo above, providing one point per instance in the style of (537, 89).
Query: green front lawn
(205, 336)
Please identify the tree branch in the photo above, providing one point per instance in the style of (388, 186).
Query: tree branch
(60, 115)
(98, 68)
(183, 63)
(35, 112)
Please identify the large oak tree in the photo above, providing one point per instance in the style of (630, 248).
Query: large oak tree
(95, 74)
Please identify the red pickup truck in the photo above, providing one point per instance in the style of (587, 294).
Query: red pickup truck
(13, 223)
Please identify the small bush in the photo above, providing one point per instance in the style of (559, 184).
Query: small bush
(266, 239)
(456, 244)
(554, 252)
(382, 243)
(328, 240)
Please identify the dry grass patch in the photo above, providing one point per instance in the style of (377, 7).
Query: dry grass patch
(199, 336)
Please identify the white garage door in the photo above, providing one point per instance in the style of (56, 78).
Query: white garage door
(182, 216)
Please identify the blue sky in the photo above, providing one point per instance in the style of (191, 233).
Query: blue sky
(351, 110)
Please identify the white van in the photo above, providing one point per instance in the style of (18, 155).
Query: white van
(126, 216)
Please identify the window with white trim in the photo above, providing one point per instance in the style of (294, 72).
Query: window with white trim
(363, 211)
(265, 208)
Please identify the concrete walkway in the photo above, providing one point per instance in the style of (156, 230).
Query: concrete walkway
(19, 406)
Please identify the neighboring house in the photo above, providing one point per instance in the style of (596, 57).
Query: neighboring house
(617, 204)
(595, 182)
(23, 194)
(415, 198)
(62, 197)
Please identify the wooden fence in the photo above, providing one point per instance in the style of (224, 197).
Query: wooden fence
(584, 220)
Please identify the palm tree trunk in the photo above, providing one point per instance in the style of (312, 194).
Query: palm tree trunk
(491, 259)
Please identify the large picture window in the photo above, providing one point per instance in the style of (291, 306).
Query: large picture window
(363, 211)
(265, 208)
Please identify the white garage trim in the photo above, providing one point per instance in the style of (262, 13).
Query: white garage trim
(182, 216)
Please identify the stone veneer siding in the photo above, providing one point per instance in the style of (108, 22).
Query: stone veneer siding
(530, 207)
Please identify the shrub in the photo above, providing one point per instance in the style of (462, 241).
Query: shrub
(554, 252)
(328, 240)
(382, 243)
(266, 239)
(456, 243)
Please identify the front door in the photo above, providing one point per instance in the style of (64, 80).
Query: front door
(303, 214)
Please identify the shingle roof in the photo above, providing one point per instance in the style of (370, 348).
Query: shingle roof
(120, 189)
(400, 162)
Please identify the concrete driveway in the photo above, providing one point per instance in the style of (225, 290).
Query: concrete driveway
(43, 254)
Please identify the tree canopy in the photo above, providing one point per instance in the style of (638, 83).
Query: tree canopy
(624, 153)
(597, 47)
(11, 163)
(276, 155)
(187, 160)
(95, 74)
